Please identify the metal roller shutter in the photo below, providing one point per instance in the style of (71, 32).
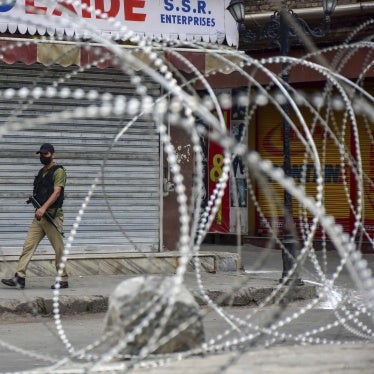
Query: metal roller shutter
(366, 135)
(124, 218)
(270, 146)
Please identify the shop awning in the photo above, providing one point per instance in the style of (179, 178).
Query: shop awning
(30, 51)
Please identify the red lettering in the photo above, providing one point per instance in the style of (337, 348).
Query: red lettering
(106, 8)
(85, 12)
(130, 15)
(63, 4)
(31, 8)
(112, 12)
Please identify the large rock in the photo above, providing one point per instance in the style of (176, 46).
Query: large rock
(136, 299)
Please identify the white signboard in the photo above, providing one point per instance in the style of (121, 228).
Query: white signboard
(206, 20)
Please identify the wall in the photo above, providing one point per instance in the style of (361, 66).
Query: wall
(171, 226)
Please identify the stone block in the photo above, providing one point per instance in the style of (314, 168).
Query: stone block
(147, 312)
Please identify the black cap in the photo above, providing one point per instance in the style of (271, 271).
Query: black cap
(45, 148)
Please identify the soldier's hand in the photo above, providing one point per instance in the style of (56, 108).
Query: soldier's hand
(39, 213)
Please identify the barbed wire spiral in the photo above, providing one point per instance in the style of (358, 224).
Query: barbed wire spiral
(343, 106)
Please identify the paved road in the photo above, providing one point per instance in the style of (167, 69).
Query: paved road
(39, 334)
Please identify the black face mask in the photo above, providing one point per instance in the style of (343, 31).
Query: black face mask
(45, 160)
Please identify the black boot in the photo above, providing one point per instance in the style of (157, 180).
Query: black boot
(60, 285)
(15, 282)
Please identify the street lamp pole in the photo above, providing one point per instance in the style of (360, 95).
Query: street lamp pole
(288, 252)
(279, 31)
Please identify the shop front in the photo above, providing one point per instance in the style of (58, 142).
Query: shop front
(57, 63)
(341, 140)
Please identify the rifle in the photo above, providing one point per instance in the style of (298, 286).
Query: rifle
(47, 215)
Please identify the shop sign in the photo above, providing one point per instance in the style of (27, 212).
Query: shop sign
(206, 20)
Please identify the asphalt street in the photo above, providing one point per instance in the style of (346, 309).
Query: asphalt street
(32, 343)
(38, 337)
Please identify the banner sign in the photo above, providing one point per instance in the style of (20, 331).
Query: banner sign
(232, 213)
(206, 20)
(238, 179)
(221, 222)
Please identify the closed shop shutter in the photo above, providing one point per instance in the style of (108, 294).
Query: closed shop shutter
(269, 130)
(124, 211)
(366, 135)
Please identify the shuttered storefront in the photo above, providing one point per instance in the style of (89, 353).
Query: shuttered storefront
(124, 211)
(366, 135)
(269, 130)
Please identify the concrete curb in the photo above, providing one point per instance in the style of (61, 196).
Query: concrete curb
(68, 305)
(252, 296)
